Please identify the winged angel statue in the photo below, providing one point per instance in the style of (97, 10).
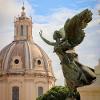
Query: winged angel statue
(76, 74)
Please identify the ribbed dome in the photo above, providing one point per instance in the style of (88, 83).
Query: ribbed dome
(24, 57)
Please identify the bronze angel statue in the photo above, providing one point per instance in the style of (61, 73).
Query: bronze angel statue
(75, 74)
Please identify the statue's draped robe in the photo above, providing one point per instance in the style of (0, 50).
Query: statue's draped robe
(75, 74)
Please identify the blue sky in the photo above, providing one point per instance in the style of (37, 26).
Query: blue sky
(50, 15)
(44, 7)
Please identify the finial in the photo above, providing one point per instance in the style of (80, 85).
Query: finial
(23, 8)
(23, 14)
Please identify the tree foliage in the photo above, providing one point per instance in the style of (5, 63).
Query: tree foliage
(59, 93)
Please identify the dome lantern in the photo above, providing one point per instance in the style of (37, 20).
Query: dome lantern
(23, 27)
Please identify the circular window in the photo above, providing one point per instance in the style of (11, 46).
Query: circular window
(16, 61)
(39, 62)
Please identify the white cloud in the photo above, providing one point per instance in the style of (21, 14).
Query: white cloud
(8, 10)
(98, 6)
(59, 77)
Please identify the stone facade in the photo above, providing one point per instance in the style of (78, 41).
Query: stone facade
(25, 69)
(27, 84)
(92, 92)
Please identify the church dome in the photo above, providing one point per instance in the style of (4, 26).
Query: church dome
(24, 57)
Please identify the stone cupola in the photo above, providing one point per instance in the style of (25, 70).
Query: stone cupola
(23, 27)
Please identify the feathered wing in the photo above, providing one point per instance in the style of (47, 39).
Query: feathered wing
(73, 27)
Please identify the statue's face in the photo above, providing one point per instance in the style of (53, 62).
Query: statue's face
(57, 35)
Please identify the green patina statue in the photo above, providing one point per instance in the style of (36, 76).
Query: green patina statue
(71, 35)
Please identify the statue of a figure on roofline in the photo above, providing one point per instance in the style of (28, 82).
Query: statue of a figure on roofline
(76, 74)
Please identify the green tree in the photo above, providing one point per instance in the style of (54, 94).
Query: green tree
(60, 93)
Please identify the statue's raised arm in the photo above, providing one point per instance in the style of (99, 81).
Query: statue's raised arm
(45, 40)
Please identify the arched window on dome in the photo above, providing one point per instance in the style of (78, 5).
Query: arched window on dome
(27, 29)
(15, 93)
(40, 91)
(22, 30)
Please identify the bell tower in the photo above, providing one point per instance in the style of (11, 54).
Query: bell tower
(23, 27)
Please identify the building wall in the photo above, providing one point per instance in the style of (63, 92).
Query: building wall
(28, 86)
(90, 92)
(3, 90)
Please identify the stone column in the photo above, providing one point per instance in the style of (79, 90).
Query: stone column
(91, 92)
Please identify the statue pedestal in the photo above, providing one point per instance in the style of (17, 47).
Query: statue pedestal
(91, 92)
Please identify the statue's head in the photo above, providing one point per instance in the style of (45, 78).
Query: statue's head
(57, 35)
(85, 17)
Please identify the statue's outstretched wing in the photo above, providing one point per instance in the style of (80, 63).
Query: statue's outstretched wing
(73, 27)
